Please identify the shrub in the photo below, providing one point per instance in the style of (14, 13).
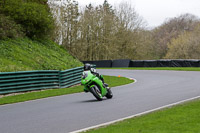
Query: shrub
(9, 29)
(35, 18)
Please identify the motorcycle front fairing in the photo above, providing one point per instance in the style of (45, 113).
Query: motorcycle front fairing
(99, 83)
(86, 79)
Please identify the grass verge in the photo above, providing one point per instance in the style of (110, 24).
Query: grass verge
(111, 80)
(26, 54)
(183, 118)
(160, 68)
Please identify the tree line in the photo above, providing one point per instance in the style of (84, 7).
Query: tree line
(100, 32)
(104, 32)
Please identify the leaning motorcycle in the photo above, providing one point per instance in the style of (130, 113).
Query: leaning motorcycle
(94, 85)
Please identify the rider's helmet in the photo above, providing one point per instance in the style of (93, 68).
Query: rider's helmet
(87, 67)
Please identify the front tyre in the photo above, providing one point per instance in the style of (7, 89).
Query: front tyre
(109, 94)
(96, 91)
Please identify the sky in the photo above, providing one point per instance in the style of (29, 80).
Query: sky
(155, 12)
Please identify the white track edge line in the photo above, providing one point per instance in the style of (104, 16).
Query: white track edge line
(132, 116)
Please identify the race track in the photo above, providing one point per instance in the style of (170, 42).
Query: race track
(68, 113)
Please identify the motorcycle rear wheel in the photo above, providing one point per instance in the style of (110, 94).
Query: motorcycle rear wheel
(109, 94)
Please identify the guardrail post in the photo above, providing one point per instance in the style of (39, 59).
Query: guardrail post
(59, 79)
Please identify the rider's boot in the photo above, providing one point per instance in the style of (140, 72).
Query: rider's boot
(106, 86)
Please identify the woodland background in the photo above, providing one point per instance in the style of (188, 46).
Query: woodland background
(101, 32)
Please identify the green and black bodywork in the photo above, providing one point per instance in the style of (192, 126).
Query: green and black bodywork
(93, 84)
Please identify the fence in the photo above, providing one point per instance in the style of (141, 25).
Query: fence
(12, 82)
(145, 63)
(70, 77)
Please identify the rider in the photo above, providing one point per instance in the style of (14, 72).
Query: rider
(88, 67)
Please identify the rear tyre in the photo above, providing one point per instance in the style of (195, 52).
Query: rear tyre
(96, 91)
(109, 95)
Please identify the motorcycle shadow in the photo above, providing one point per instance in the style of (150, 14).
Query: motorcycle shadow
(92, 101)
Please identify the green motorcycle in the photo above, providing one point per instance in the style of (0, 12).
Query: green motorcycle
(94, 85)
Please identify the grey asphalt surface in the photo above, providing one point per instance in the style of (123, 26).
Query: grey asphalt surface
(67, 113)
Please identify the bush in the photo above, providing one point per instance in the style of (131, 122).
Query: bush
(38, 1)
(9, 29)
(35, 18)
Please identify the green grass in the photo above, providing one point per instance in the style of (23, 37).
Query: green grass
(111, 80)
(117, 81)
(179, 119)
(160, 68)
(26, 54)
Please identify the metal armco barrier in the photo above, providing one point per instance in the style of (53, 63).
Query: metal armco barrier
(12, 82)
(70, 77)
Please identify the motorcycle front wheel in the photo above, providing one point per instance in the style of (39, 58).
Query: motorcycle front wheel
(96, 91)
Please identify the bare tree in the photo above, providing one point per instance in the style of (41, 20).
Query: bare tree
(129, 26)
(171, 29)
(186, 46)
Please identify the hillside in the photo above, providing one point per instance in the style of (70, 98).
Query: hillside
(25, 54)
